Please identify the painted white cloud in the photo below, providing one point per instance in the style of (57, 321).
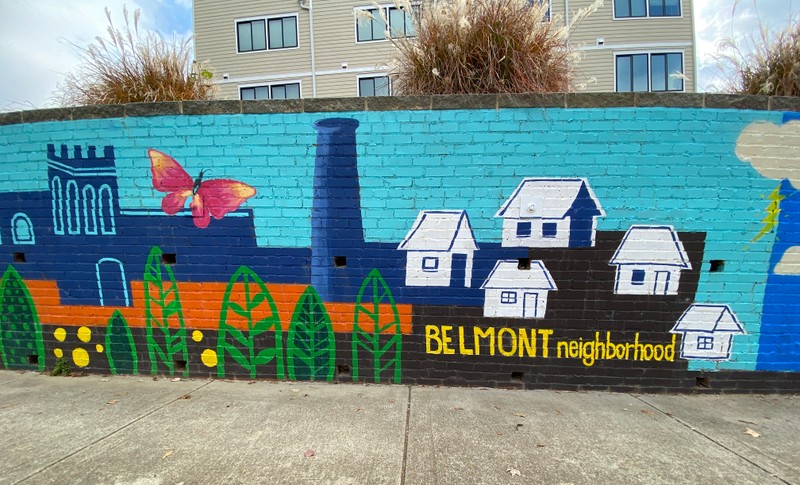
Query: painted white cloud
(35, 37)
(790, 262)
(773, 150)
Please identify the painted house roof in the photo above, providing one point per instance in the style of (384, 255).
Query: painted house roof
(506, 274)
(708, 318)
(439, 231)
(551, 198)
(651, 245)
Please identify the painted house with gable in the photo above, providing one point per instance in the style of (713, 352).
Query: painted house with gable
(550, 213)
(515, 292)
(707, 332)
(649, 261)
(439, 249)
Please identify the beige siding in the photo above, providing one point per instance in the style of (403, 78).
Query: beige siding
(340, 59)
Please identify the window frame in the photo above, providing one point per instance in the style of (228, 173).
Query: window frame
(360, 77)
(635, 281)
(430, 259)
(527, 234)
(386, 7)
(269, 86)
(14, 232)
(266, 19)
(548, 227)
(707, 342)
(508, 297)
(617, 55)
(646, 12)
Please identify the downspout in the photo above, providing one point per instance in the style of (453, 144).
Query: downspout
(310, 7)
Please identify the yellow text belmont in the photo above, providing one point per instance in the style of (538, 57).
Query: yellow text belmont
(439, 339)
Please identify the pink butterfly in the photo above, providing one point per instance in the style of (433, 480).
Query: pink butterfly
(209, 198)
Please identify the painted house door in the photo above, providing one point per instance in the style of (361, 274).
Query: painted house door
(530, 305)
(458, 274)
(661, 283)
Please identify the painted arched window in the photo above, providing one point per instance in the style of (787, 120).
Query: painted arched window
(89, 210)
(111, 283)
(22, 229)
(57, 196)
(106, 211)
(72, 203)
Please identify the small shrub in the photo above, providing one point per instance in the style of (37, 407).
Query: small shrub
(485, 46)
(61, 368)
(129, 67)
(768, 64)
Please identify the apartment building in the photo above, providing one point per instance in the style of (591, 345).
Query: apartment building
(279, 49)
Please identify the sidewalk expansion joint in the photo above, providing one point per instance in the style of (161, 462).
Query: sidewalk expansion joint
(112, 433)
(405, 439)
(709, 438)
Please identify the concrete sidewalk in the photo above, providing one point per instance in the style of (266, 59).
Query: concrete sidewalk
(135, 430)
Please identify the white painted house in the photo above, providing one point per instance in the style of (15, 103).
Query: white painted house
(514, 292)
(649, 261)
(439, 249)
(707, 331)
(550, 213)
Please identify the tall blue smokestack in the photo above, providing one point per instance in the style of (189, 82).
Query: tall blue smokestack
(337, 232)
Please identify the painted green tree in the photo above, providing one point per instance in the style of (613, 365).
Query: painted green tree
(166, 332)
(262, 342)
(772, 210)
(311, 345)
(120, 348)
(382, 340)
(21, 344)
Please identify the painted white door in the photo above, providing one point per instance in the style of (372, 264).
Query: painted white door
(661, 283)
(530, 305)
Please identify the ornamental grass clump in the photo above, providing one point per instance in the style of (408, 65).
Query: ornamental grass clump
(485, 46)
(129, 67)
(768, 64)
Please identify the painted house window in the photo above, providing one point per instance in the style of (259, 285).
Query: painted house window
(373, 86)
(660, 72)
(637, 277)
(549, 229)
(430, 263)
(524, 229)
(508, 297)
(371, 26)
(89, 210)
(57, 195)
(271, 91)
(22, 229)
(72, 202)
(646, 8)
(267, 34)
(106, 211)
(705, 343)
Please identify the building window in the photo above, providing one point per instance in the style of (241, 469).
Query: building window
(373, 86)
(430, 263)
(269, 33)
(89, 209)
(508, 297)
(251, 35)
(549, 229)
(106, 211)
(649, 72)
(22, 229)
(371, 26)
(282, 33)
(646, 8)
(705, 343)
(524, 229)
(72, 203)
(271, 91)
(637, 277)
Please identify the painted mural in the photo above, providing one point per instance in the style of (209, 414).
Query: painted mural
(549, 248)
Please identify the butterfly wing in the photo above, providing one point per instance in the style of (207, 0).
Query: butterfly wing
(170, 177)
(220, 196)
